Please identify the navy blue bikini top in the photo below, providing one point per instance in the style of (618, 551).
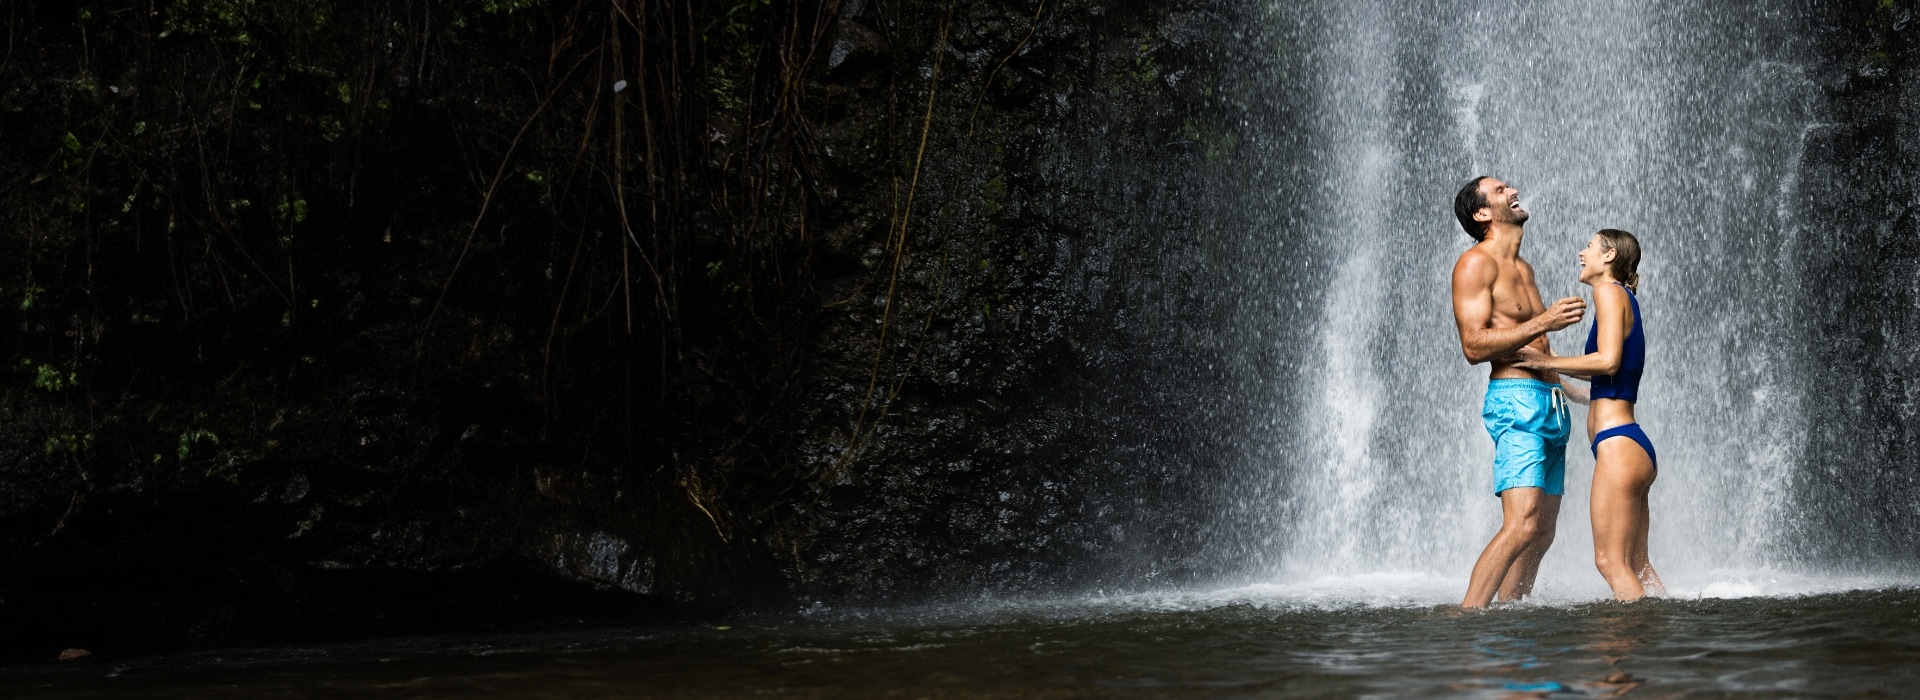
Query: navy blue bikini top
(1625, 384)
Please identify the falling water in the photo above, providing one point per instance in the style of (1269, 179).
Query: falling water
(1680, 123)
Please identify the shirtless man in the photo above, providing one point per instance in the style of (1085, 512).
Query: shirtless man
(1498, 310)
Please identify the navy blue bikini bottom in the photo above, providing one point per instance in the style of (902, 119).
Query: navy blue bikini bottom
(1630, 430)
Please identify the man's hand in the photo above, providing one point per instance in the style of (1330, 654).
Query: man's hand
(1563, 313)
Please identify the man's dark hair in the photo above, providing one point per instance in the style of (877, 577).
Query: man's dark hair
(1470, 200)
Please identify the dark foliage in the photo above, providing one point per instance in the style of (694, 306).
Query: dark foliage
(303, 287)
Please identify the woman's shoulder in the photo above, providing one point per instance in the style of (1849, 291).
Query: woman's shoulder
(1611, 292)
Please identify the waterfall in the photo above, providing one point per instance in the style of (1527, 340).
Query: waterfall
(1680, 122)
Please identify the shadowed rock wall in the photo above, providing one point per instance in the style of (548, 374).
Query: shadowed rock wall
(339, 319)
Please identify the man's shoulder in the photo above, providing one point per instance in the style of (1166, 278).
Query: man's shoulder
(1476, 262)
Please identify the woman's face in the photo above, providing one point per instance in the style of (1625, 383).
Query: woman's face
(1594, 260)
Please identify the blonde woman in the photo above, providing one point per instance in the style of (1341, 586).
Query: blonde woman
(1624, 465)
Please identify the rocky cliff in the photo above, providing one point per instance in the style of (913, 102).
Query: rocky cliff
(334, 318)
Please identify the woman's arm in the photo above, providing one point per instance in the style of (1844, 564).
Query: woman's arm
(1609, 303)
(1576, 390)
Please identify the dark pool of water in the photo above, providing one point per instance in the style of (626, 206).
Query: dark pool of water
(1854, 644)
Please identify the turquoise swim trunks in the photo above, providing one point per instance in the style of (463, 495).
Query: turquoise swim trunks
(1529, 421)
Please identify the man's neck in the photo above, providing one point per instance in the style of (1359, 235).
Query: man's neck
(1503, 240)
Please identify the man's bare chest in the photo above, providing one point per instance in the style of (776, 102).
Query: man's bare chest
(1514, 299)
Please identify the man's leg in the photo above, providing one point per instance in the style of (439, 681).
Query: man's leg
(1520, 509)
(1518, 583)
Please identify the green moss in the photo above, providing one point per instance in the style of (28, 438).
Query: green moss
(506, 6)
(67, 443)
(1214, 141)
(291, 211)
(1145, 69)
(218, 18)
(991, 195)
(730, 37)
(738, 17)
(725, 82)
(48, 377)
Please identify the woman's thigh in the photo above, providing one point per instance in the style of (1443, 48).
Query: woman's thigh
(1622, 471)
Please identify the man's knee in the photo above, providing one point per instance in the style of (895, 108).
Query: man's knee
(1544, 531)
(1525, 530)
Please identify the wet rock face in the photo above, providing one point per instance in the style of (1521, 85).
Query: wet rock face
(1858, 191)
(996, 381)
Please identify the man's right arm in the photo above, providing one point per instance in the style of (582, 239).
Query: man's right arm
(1473, 278)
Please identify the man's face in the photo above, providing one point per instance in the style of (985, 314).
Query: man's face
(1503, 203)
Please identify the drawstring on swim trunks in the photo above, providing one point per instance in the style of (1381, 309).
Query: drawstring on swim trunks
(1559, 402)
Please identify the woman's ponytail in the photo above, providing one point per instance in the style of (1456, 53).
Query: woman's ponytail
(1626, 257)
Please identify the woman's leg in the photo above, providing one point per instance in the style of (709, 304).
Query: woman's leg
(1621, 474)
(1641, 565)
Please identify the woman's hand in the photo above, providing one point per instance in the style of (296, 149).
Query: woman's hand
(1531, 358)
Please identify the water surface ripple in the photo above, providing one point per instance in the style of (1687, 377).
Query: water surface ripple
(1849, 644)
